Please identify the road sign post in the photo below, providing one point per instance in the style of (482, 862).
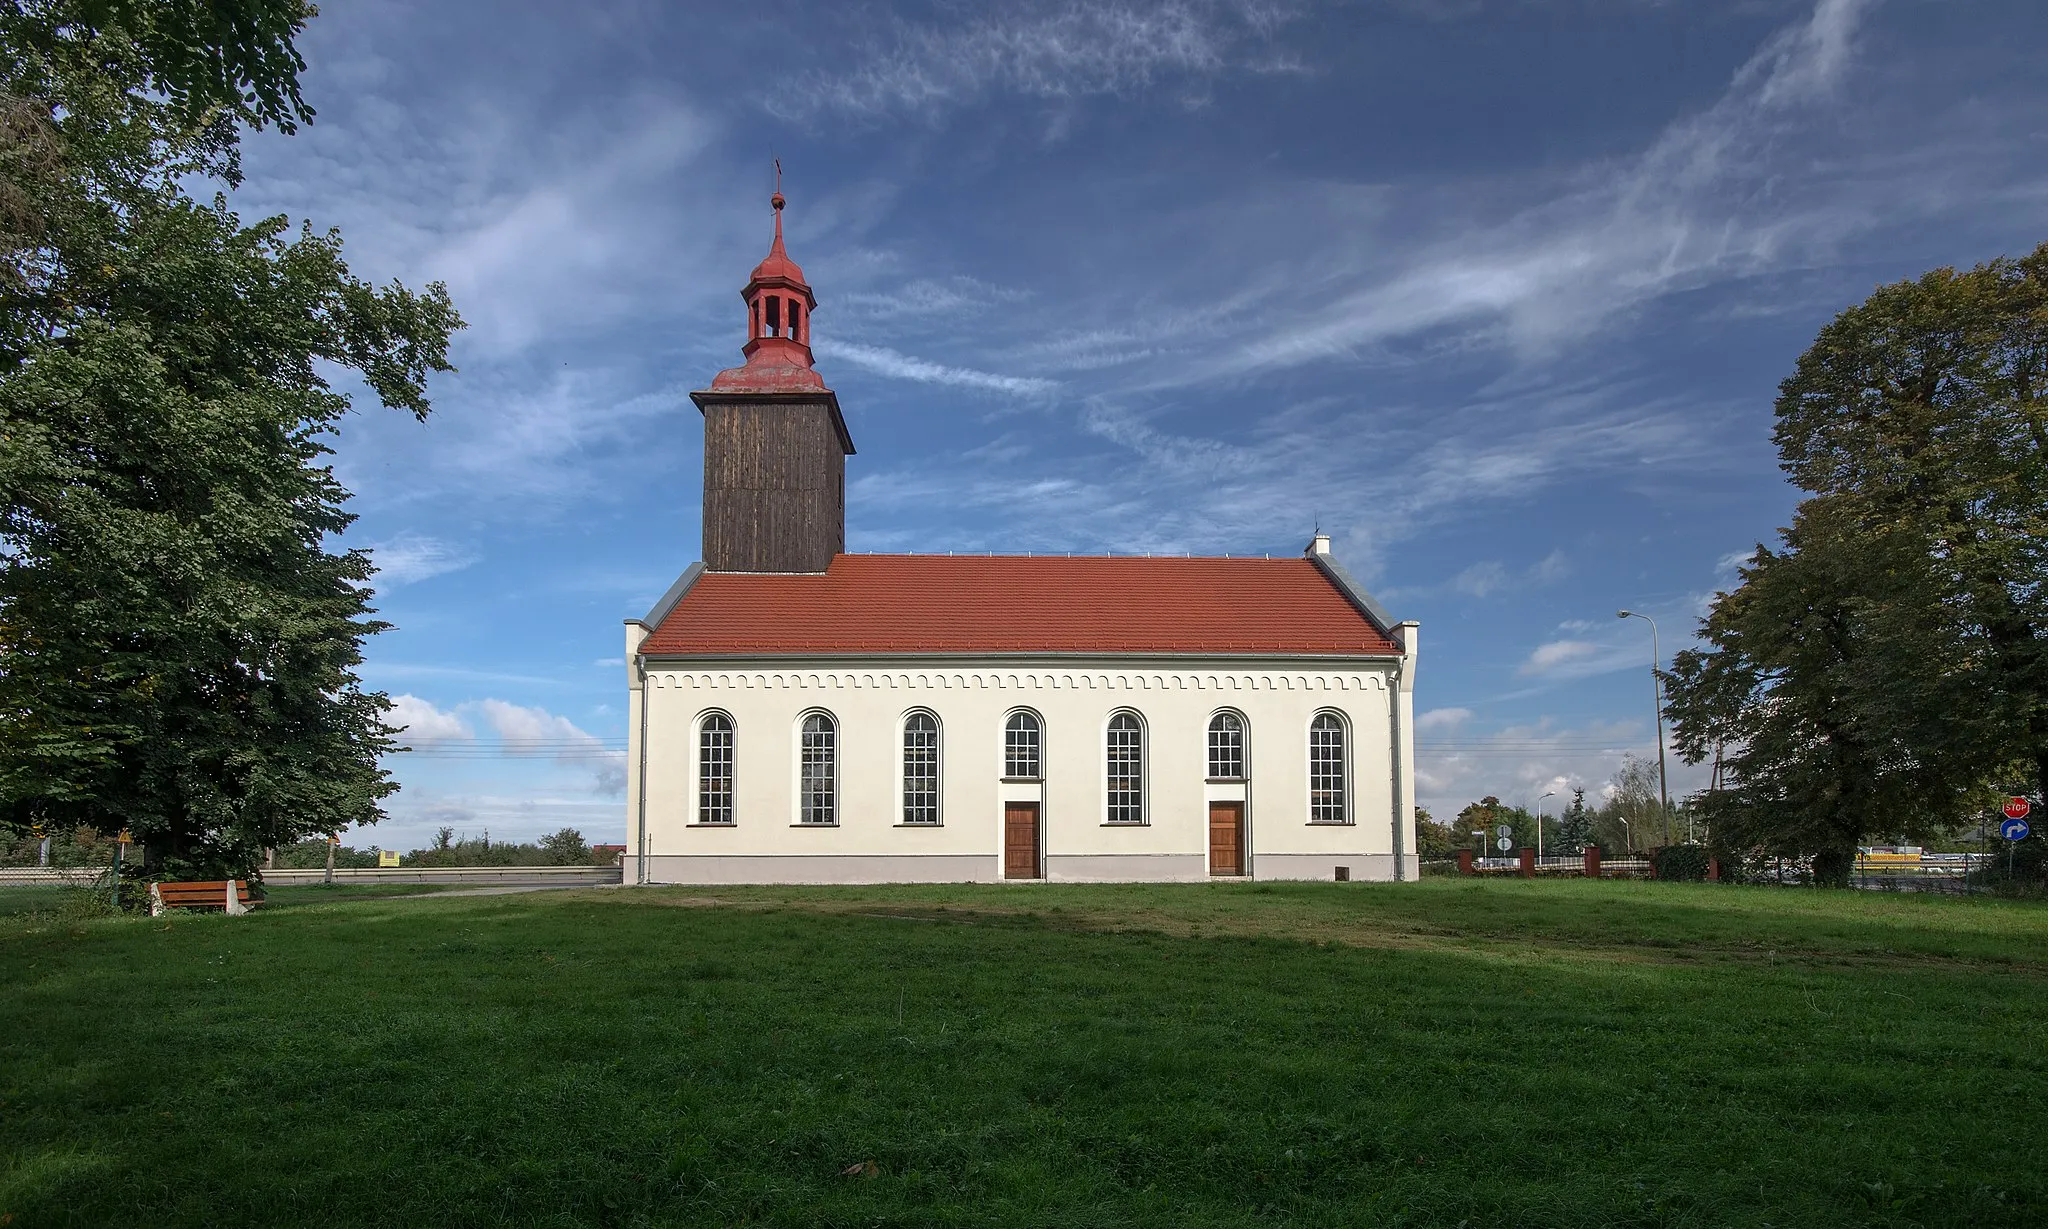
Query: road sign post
(2015, 828)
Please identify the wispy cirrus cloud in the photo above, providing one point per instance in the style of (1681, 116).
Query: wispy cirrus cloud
(409, 557)
(1705, 202)
(897, 366)
(1061, 50)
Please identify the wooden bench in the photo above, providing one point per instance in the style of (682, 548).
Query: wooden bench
(229, 897)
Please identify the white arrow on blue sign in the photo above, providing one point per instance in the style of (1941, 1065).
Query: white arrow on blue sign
(2014, 829)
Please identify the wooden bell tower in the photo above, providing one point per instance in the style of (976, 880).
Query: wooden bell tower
(775, 444)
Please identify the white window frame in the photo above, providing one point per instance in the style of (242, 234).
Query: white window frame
(1244, 746)
(1144, 770)
(938, 818)
(800, 819)
(732, 767)
(1349, 778)
(1010, 716)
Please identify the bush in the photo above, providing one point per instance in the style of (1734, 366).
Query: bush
(1686, 863)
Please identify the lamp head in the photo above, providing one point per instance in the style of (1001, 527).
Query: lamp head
(1623, 614)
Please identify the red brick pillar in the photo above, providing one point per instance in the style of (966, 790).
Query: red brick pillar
(1592, 856)
(1528, 862)
(1713, 869)
(1464, 861)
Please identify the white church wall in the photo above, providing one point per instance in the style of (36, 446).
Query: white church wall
(870, 843)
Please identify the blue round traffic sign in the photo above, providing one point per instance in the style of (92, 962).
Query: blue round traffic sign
(2014, 829)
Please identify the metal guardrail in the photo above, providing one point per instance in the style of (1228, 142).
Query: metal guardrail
(478, 875)
(50, 876)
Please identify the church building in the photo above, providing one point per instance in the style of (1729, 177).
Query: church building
(804, 715)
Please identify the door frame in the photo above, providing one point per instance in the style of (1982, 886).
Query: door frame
(1239, 792)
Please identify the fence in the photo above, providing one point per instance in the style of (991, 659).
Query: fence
(482, 876)
(51, 876)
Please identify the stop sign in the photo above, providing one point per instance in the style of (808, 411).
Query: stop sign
(2017, 808)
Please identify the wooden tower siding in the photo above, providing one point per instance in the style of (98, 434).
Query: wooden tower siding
(774, 482)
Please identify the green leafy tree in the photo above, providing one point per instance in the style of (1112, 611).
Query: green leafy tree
(178, 647)
(1887, 667)
(1432, 839)
(566, 848)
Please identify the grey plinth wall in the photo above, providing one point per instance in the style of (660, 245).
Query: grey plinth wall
(774, 481)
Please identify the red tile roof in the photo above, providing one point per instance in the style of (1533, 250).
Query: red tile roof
(1021, 604)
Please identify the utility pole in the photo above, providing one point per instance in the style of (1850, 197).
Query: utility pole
(1657, 703)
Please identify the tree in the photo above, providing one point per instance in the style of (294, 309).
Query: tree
(1432, 839)
(1631, 818)
(1575, 825)
(1924, 411)
(177, 646)
(566, 848)
(1888, 666)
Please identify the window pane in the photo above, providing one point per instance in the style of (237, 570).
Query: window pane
(1326, 770)
(1226, 746)
(714, 770)
(817, 793)
(1020, 746)
(921, 769)
(1126, 784)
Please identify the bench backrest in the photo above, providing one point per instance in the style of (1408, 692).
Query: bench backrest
(201, 892)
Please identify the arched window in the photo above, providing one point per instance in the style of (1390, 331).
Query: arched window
(817, 798)
(1125, 745)
(920, 769)
(1326, 761)
(714, 769)
(1226, 747)
(1022, 747)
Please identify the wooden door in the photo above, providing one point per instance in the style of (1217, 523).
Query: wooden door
(1226, 838)
(1020, 840)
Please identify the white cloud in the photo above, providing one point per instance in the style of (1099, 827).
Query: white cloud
(410, 557)
(1729, 566)
(883, 361)
(1562, 656)
(951, 297)
(1552, 568)
(535, 732)
(1519, 764)
(1710, 200)
(423, 725)
(1480, 579)
(1051, 51)
(1442, 719)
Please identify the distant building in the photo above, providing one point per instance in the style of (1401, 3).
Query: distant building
(802, 715)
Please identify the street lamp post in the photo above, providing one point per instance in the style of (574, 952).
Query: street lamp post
(1657, 700)
(1539, 824)
(1628, 837)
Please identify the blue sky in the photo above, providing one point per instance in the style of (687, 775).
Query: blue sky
(1497, 290)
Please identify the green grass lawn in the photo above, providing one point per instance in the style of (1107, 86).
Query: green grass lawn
(1443, 1053)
